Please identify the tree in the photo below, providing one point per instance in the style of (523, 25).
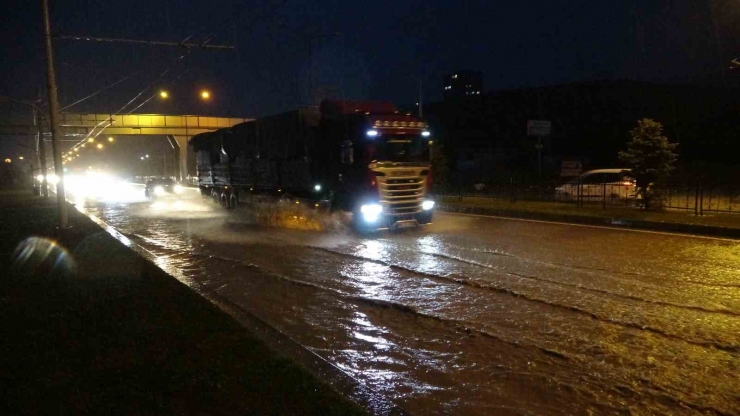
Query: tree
(650, 157)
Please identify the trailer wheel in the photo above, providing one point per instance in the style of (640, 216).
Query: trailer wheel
(233, 201)
(224, 200)
(214, 195)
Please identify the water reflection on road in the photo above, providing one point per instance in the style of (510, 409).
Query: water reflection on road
(477, 315)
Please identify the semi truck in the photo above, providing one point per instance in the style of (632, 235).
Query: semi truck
(366, 158)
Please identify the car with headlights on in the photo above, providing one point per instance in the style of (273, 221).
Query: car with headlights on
(160, 187)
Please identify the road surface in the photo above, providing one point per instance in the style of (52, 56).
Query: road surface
(475, 315)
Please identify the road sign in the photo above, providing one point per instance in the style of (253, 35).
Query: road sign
(571, 168)
(538, 127)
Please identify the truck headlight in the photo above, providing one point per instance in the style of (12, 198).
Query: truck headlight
(158, 190)
(178, 189)
(371, 212)
(427, 205)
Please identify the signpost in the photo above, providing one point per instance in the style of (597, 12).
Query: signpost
(571, 168)
(539, 129)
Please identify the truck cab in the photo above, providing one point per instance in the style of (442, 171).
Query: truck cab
(385, 174)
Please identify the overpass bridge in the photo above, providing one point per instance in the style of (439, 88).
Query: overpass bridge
(179, 128)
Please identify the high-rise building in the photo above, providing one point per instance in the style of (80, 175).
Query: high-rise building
(463, 84)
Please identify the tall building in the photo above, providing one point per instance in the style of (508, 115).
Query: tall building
(463, 83)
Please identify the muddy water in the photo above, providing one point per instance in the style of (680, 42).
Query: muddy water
(479, 316)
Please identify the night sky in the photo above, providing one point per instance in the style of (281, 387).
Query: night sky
(382, 50)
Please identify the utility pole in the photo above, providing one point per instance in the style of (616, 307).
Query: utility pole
(41, 152)
(51, 84)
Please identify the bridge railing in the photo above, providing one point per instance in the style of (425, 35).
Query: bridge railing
(148, 120)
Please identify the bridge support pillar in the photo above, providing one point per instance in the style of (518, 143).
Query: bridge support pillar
(184, 153)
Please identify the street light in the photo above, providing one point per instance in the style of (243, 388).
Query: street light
(7, 160)
(76, 149)
(20, 157)
(110, 139)
(100, 146)
(91, 140)
(163, 94)
(205, 94)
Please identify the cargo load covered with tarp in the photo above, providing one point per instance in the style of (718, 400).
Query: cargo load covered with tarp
(272, 152)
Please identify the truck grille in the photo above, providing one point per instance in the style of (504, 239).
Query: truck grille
(402, 195)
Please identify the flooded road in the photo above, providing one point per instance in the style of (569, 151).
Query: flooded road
(476, 315)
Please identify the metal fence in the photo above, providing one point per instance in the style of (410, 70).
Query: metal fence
(694, 197)
(701, 199)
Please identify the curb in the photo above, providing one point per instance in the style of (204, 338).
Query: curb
(704, 230)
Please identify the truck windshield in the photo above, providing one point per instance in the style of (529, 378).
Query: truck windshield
(402, 148)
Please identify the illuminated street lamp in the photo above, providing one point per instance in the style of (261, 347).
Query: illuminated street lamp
(100, 146)
(7, 160)
(20, 157)
(142, 158)
(110, 139)
(164, 94)
(205, 94)
(91, 140)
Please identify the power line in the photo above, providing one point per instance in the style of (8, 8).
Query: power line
(102, 89)
(145, 42)
(84, 139)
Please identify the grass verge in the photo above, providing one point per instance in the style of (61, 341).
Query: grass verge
(596, 210)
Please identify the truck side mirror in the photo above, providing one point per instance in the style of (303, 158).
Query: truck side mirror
(348, 152)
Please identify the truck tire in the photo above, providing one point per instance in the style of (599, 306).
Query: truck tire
(214, 195)
(224, 200)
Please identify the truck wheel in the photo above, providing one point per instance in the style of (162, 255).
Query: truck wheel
(224, 200)
(233, 201)
(214, 195)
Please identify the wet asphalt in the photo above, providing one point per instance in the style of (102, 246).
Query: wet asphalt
(475, 315)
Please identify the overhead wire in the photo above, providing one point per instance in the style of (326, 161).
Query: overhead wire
(102, 89)
(120, 110)
(210, 36)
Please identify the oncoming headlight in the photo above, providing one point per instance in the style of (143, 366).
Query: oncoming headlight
(371, 212)
(178, 189)
(158, 190)
(427, 205)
